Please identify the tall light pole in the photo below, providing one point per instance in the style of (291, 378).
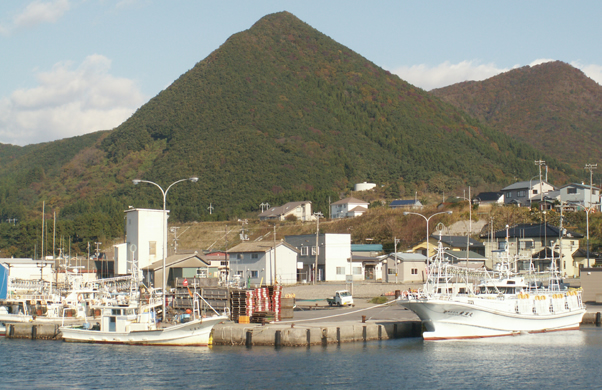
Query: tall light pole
(469, 224)
(591, 168)
(427, 228)
(193, 179)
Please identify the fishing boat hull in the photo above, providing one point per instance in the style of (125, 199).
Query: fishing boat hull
(192, 333)
(487, 317)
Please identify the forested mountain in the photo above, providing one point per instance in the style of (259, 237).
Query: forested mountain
(279, 112)
(553, 106)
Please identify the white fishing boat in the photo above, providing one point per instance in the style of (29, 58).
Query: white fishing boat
(458, 302)
(134, 319)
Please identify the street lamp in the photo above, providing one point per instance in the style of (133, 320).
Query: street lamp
(469, 224)
(427, 227)
(193, 179)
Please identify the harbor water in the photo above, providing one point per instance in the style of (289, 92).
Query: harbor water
(564, 360)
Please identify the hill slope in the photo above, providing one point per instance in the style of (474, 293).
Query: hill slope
(279, 112)
(553, 106)
(281, 107)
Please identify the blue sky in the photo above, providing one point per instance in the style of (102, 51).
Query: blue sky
(70, 67)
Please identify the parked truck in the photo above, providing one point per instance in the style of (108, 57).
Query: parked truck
(341, 298)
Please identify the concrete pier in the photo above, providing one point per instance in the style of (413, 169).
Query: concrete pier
(33, 331)
(295, 335)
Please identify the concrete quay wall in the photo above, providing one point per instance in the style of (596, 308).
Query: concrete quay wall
(316, 334)
(33, 331)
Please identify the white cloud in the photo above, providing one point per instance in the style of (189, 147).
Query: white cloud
(446, 73)
(39, 12)
(68, 102)
(592, 71)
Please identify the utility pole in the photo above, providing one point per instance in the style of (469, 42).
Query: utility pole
(396, 261)
(210, 208)
(540, 163)
(317, 215)
(275, 267)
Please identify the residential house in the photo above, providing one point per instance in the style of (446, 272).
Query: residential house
(463, 258)
(524, 193)
(580, 194)
(257, 263)
(489, 198)
(332, 253)
(527, 241)
(369, 258)
(348, 208)
(409, 204)
(298, 210)
(454, 243)
(405, 267)
(183, 265)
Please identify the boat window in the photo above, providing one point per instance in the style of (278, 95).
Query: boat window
(130, 312)
(116, 312)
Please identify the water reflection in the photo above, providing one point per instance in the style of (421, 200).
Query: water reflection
(560, 359)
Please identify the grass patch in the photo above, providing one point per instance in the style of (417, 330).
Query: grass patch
(379, 300)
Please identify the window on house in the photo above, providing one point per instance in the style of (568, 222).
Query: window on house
(254, 274)
(340, 270)
(152, 247)
(313, 251)
(528, 244)
(224, 263)
(254, 255)
(357, 270)
(534, 192)
(304, 250)
(521, 194)
(571, 190)
(509, 194)
(414, 271)
(240, 273)
(239, 256)
(502, 245)
(391, 271)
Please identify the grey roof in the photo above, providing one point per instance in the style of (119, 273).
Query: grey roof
(404, 202)
(579, 185)
(462, 255)
(409, 257)
(530, 230)
(523, 184)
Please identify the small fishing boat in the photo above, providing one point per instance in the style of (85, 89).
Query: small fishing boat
(137, 323)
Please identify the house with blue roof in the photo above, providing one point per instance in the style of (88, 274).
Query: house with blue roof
(410, 204)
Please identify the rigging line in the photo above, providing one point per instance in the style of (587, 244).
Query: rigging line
(334, 315)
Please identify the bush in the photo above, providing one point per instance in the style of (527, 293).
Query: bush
(379, 300)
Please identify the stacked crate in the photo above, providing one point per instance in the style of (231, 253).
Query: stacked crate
(238, 304)
(276, 302)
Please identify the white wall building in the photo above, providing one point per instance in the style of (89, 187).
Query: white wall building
(580, 194)
(256, 263)
(348, 207)
(145, 236)
(334, 252)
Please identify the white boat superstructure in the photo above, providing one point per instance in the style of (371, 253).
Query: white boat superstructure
(458, 302)
(134, 319)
